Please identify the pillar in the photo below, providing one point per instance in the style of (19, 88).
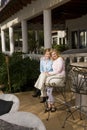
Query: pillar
(3, 41)
(11, 39)
(24, 37)
(47, 28)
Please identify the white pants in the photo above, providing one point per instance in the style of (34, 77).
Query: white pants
(40, 84)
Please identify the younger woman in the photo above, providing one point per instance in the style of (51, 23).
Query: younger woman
(45, 66)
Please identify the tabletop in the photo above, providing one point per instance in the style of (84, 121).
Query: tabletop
(79, 64)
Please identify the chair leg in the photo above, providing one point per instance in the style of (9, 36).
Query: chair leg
(48, 116)
(69, 113)
(46, 105)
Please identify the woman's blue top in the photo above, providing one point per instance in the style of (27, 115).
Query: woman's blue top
(45, 65)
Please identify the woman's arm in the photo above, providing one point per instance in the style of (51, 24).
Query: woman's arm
(57, 66)
(41, 64)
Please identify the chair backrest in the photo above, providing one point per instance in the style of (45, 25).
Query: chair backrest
(11, 97)
(78, 80)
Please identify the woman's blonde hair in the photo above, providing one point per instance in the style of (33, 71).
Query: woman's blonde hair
(47, 50)
(54, 50)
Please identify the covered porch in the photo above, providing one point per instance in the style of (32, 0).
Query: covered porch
(65, 15)
(21, 16)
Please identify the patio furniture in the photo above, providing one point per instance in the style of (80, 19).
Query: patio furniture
(11, 97)
(78, 75)
(25, 119)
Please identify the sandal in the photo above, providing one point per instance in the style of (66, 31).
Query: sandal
(53, 109)
(47, 109)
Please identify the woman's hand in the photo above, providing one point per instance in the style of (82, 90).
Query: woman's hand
(47, 73)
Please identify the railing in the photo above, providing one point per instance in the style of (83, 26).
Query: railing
(33, 56)
(77, 57)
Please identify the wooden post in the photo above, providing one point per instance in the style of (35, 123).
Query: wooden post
(7, 63)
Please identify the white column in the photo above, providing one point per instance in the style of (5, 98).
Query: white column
(24, 37)
(78, 39)
(85, 39)
(11, 39)
(58, 42)
(47, 29)
(3, 41)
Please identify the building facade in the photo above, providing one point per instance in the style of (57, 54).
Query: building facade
(46, 15)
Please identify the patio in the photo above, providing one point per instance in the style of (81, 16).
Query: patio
(30, 104)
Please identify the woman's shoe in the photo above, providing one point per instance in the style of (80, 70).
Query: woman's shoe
(53, 109)
(47, 109)
(37, 94)
(43, 100)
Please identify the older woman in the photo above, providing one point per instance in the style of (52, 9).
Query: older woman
(58, 71)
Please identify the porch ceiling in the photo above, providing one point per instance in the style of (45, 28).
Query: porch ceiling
(12, 7)
(70, 10)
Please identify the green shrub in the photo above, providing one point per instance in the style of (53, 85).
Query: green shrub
(3, 70)
(22, 72)
(60, 48)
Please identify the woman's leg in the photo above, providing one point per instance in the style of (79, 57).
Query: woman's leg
(50, 81)
(40, 81)
(37, 93)
(50, 95)
(43, 95)
(39, 84)
(50, 100)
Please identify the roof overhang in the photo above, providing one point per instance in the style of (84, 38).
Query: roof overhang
(12, 7)
(70, 10)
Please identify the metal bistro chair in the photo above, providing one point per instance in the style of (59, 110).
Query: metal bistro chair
(61, 92)
(59, 87)
(78, 87)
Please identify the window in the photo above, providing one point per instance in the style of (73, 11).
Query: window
(79, 39)
(74, 39)
(83, 39)
(54, 40)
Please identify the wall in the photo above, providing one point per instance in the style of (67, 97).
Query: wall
(76, 25)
